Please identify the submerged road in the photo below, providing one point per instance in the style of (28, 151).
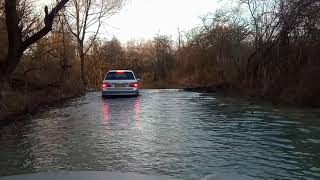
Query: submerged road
(179, 134)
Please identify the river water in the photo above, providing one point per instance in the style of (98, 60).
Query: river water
(184, 135)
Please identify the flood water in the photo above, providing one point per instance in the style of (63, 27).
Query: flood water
(184, 135)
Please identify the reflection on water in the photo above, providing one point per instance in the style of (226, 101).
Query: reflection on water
(105, 111)
(166, 132)
(122, 109)
(137, 109)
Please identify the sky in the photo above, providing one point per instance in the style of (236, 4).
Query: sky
(144, 19)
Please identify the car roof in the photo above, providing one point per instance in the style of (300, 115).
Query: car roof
(120, 70)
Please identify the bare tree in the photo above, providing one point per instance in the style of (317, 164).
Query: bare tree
(18, 41)
(87, 16)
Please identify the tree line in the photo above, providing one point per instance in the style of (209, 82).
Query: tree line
(23, 29)
(43, 50)
(265, 48)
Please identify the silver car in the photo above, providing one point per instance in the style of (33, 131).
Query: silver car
(120, 83)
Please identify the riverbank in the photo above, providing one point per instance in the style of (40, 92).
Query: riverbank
(291, 99)
(17, 103)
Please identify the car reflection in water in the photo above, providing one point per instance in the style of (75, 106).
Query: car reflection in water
(137, 110)
(121, 112)
(105, 112)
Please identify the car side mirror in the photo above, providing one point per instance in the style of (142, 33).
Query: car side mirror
(138, 79)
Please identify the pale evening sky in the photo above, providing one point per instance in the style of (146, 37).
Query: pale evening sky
(144, 19)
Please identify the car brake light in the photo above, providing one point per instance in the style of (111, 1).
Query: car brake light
(134, 85)
(105, 85)
(120, 72)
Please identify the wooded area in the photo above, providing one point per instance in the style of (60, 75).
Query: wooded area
(261, 48)
(265, 48)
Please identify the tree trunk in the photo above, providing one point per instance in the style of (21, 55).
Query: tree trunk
(14, 40)
(12, 60)
(3, 73)
(82, 65)
(65, 60)
(16, 45)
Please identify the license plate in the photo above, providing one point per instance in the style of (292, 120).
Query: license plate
(120, 85)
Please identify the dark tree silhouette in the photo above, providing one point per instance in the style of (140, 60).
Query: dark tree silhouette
(16, 43)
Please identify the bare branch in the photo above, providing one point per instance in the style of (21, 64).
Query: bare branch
(48, 21)
(93, 39)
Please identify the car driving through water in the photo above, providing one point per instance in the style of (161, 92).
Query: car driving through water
(120, 83)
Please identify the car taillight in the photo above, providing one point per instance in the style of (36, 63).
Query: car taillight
(120, 72)
(134, 85)
(105, 85)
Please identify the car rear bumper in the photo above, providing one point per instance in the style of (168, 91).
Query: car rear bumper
(114, 92)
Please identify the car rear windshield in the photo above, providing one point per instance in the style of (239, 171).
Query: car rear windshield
(120, 76)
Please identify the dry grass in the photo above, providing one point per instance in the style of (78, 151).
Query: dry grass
(20, 102)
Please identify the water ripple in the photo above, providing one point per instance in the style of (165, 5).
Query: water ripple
(167, 132)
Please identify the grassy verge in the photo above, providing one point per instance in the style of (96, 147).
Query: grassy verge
(16, 103)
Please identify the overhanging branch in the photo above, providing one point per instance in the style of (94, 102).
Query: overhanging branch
(48, 21)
